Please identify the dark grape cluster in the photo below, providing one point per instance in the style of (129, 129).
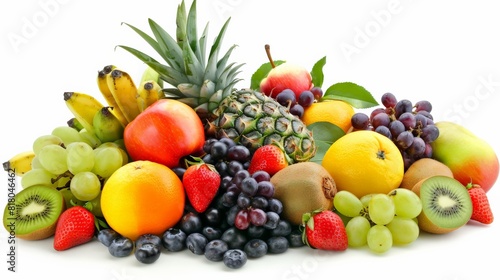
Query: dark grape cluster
(296, 106)
(244, 216)
(410, 126)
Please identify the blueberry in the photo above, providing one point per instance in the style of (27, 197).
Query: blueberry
(234, 258)
(211, 233)
(147, 253)
(295, 238)
(283, 228)
(106, 236)
(191, 222)
(174, 239)
(255, 248)
(148, 238)
(234, 237)
(277, 244)
(215, 249)
(196, 243)
(254, 231)
(212, 216)
(121, 247)
(273, 220)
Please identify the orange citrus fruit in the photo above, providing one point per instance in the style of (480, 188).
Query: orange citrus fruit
(364, 162)
(142, 197)
(336, 112)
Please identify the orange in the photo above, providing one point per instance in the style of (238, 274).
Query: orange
(142, 197)
(336, 112)
(364, 162)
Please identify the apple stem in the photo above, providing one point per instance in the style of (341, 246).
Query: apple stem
(268, 52)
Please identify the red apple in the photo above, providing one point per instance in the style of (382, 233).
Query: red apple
(165, 132)
(285, 76)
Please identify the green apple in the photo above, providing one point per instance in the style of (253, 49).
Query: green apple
(470, 158)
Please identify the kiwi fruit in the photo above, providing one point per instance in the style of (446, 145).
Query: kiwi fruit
(302, 188)
(446, 204)
(424, 168)
(34, 212)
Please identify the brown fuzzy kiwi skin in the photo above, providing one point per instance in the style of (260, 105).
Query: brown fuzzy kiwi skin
(423, 221)
(42, 233)
(424, 168)
(302, 188)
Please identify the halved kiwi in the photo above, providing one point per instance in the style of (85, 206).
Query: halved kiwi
(446, 204)
(34, 212)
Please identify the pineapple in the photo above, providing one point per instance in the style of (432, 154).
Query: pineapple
(207, 85)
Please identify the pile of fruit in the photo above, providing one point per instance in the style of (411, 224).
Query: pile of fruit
(184, 161)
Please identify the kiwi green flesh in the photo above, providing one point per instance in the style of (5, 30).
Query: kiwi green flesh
(445, 202)
(36, 212)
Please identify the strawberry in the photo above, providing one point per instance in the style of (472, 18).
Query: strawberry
(324, 229)
(481, 210)
(201, 182)
(269, 158)
(74, 227)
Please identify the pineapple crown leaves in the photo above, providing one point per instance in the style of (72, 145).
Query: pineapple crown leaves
(187, 67)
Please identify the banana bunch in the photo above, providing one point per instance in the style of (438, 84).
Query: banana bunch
(20, 163)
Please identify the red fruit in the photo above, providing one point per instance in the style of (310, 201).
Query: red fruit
(74, 227)
(269, 158)
(165, 132)
(201, 182)
(481, 210)
(324, 230)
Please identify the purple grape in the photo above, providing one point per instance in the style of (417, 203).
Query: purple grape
(417, 148)
(275, 205)
(376, 112)
(423, 105)
(297, 110)
(360, 121)
(243, 201)
(286, 98)
(261, 175)
(249, 186)
(259, 202)
(265, 189)
(426, 114)
(239, 153)
(396, 127)
(421, 120)
(306, 98)
(317, 92)
(272, 220)
(381, 119)
(384, 130)
(404, 139)
(403, 106)
(408, 119)
(242, 221)
(428, 151)
(430, 133)
(257, 217)
(389, 100)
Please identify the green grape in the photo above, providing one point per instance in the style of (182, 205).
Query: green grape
(90, 138)
(85, 186)
(70, 199)
(80, 157)
(381, 209)
(124, 156)
(357, 231)
(120, 143)
(403, 230)
(35, 163)
(37, 176)
(45, 140)
(109, 144)
(379, 239)
(406, 202)
(365, 199)
(67, 134)
(94, 206)
(107, 160)
(53, 158)
(347, 203)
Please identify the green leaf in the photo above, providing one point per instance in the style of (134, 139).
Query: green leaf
(351, 93)
(325, 134)
(317, 72)
(261, 73)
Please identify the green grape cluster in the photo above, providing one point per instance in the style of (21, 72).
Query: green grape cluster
(379, 221)
(76, 163)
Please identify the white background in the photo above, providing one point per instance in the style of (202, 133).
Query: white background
(443, 52)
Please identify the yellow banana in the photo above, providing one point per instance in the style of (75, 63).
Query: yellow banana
(148, 93)
(74, 123)
(107, 126)
(151, 75)
(20, 163)
(102, 84)
(84, 107)
(124, 92)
